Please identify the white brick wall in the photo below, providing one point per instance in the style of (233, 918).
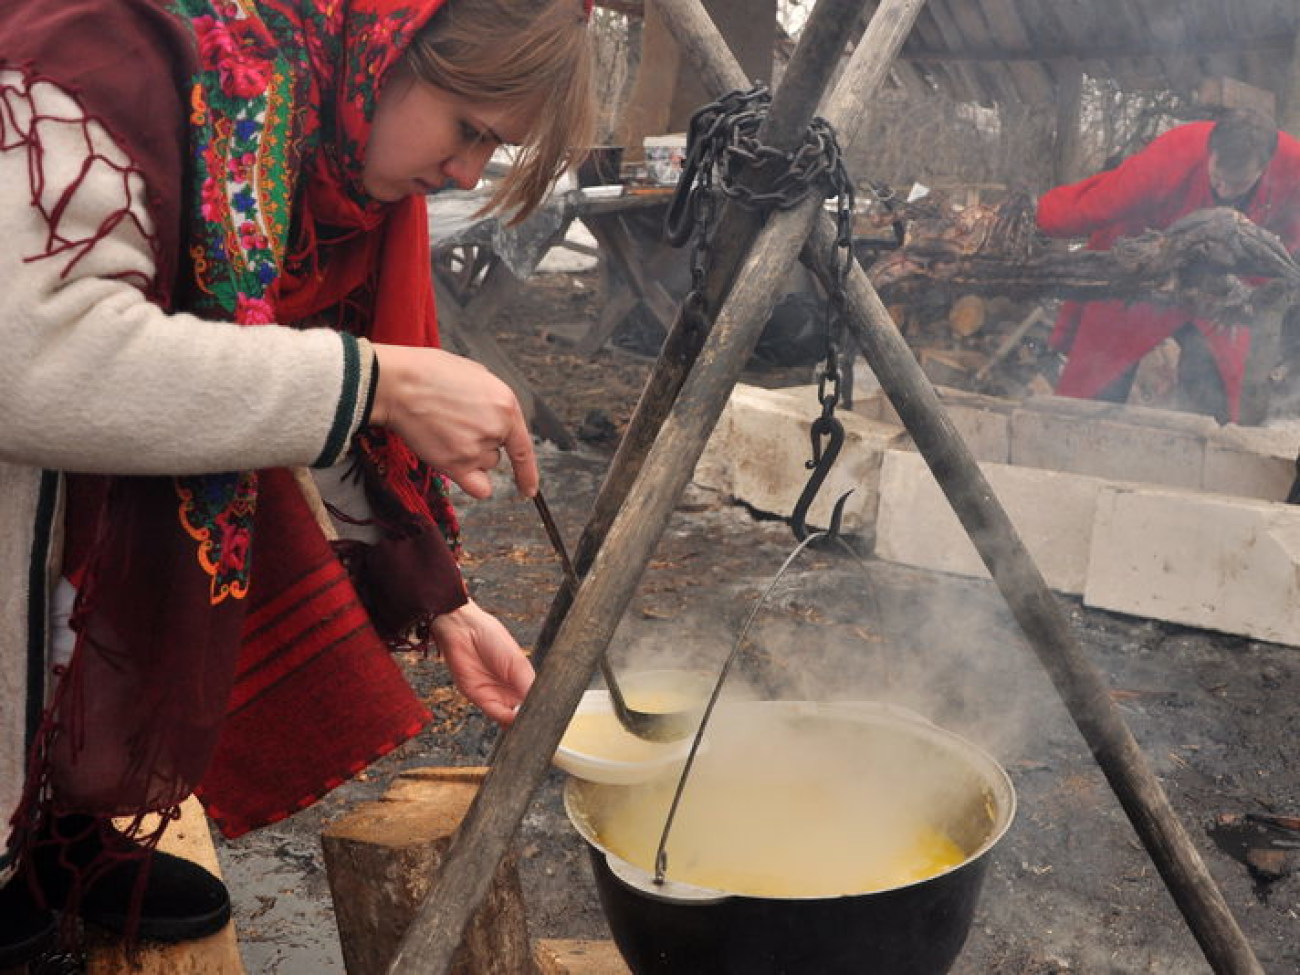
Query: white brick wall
(1142, 511)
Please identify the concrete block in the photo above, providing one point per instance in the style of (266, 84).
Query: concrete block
(1251, 462)
(1143, 416)
(1107, 440)
(876, 406)
(1208, 561)
(1052, 512)
(716, 467)
(984, 422)
(759, 451)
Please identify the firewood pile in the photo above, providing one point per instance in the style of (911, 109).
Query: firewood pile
(966, 337)
(974, 288)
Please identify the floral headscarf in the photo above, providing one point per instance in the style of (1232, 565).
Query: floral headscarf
(281, 112)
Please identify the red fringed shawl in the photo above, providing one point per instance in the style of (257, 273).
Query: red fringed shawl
(220, 640)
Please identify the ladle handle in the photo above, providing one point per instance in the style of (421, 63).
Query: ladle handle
(616, 698)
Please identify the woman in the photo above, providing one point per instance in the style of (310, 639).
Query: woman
(216, 272)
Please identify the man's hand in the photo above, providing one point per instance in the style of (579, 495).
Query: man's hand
(484, 659)
(456, 415)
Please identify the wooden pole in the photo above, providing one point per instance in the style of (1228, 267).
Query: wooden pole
(1081, 686)
(526, 750)
(1069, 107)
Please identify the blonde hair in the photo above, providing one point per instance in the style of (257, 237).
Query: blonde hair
(534, 55)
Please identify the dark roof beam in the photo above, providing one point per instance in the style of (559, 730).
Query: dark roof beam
(976, 75)
(1007, 29)
(972, 55)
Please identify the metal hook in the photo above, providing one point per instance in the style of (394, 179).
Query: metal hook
(832, 430)
(837, 515)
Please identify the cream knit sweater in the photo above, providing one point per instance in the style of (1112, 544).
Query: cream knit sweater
(95, 378)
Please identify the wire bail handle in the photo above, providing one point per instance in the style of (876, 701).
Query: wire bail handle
(661, 853)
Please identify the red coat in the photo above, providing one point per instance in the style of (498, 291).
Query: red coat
(1149, 191)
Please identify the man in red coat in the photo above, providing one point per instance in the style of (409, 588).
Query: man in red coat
(1241, 161)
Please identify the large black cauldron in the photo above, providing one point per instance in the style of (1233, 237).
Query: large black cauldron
(916, 929)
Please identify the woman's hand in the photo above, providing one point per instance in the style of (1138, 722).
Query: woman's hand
(455, 414)
(484, 659)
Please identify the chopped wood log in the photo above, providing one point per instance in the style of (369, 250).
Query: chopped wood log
(382, 858)
(1199, 262)
(576, 957)
(949, 367)
(217, 954)
(967, 315)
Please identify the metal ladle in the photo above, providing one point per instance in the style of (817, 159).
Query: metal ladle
(650, 725)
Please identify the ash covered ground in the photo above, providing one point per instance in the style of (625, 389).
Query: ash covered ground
(1070, 889)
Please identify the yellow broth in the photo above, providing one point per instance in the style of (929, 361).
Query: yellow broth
(765, 842)
(599, 735)
(800, 808)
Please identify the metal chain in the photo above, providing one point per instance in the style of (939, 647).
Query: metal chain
(722, 146)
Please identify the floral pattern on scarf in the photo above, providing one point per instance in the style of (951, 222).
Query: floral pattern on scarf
(280, 114)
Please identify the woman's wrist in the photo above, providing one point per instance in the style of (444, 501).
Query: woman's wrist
(388, 373)
(368, 412)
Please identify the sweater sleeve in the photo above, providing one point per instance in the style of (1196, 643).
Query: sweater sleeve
(1133, 193)
(96, 378)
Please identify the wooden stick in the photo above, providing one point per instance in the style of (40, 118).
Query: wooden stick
(527, 748)
(1012, 340)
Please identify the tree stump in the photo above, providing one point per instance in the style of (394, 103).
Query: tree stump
(575, 957)
(381, 860)
(217, 954)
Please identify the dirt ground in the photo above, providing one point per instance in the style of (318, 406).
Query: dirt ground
(1069, 890)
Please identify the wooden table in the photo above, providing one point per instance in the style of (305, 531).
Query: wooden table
(479, 264)
(626, 281)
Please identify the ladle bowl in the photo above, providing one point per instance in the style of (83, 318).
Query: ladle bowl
(606, 751)
(656, 725)
(912, 928)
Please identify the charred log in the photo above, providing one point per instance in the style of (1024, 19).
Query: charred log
(1209, 262)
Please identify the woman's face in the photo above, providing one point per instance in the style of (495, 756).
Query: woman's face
(424, 139)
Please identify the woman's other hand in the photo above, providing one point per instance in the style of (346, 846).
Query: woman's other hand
(456, 415)
(484, 659)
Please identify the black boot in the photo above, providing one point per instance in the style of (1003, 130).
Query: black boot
(27, 930)
(180, 900)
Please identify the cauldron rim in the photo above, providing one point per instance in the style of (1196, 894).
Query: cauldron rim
(677, 892)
